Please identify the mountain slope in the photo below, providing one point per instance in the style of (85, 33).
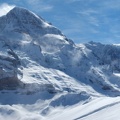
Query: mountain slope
(42, 52)
(40, 67)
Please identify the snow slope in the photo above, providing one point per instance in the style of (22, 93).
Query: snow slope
(35, 107)
(44, 75)
(99, 108)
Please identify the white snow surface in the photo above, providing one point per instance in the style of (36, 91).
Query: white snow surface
(45, 76)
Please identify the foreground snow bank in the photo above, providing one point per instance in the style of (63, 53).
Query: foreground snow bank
(46, 106)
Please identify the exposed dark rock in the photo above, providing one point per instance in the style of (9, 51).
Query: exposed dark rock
(10, 83)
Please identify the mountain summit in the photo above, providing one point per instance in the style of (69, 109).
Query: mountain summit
(40, 63)
(22, 20)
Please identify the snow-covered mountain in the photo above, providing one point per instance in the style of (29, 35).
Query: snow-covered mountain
(43, 72)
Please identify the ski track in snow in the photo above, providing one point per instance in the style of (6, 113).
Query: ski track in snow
(97, 110)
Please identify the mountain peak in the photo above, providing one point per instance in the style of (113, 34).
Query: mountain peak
(23, 20)
(18, 9)
(20, 12)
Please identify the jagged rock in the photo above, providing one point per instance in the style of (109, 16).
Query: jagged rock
(10, 83)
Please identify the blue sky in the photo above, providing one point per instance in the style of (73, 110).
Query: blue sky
(80, 20)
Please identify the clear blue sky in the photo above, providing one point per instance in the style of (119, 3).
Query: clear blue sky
(80, 20)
